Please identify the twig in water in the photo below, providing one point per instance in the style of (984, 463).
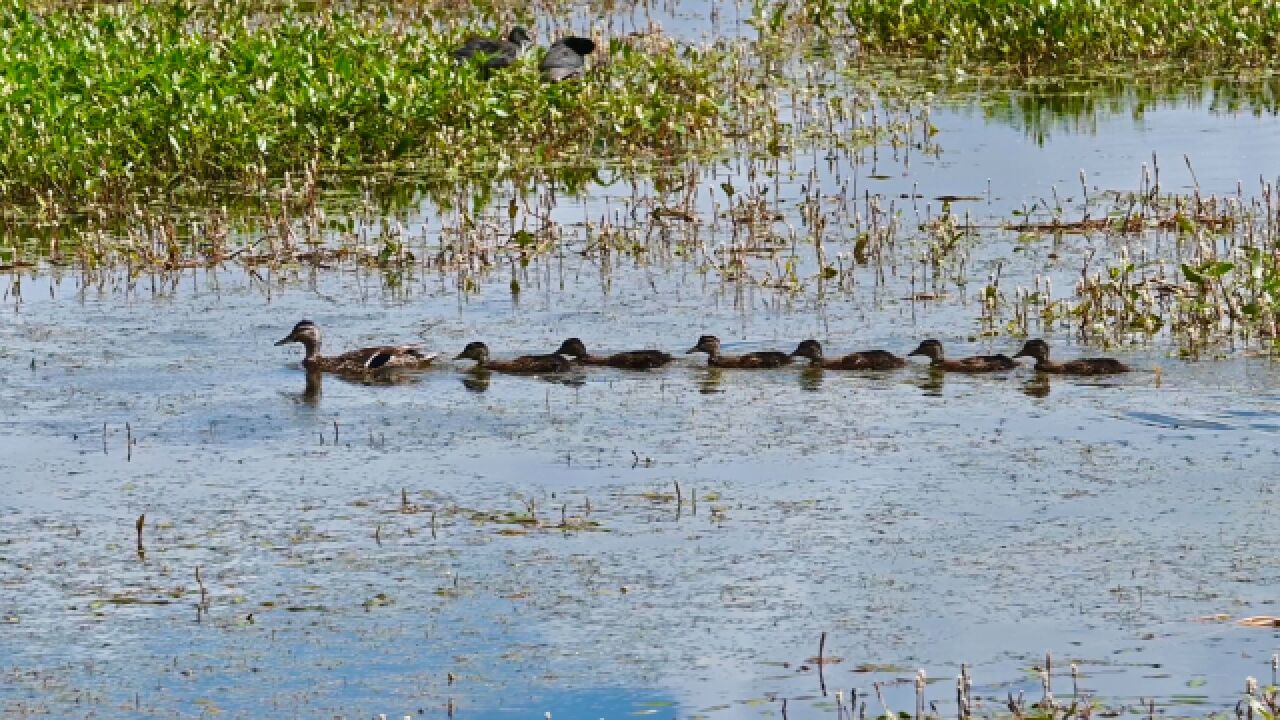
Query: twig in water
(142, 520)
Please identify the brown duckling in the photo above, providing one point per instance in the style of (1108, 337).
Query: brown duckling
(632, 360)
(525, 364)
(710, 344)
(1039, 350)
(932, 349)
(866, 360)
(356, 361)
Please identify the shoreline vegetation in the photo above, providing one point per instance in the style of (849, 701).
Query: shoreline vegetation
(99, 102)
(1043, 35)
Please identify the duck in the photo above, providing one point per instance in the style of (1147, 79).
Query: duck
(525, 364)
(1039, 349)
(866, 360)
(710, 344)
(497, 52)
(631, 360)
(564, 59)
(356, 361)
(932, 349)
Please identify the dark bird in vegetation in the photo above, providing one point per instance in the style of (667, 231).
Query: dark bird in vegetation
(932, 349)
(356, 361)
(710, 344)
(1039, 350)
(866, 360)
(632, 360)
(495, 53)
(564, 59)
(525, 364)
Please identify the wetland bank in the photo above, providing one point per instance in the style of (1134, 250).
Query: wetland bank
(674, 542)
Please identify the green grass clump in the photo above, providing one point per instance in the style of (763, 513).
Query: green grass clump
(102, 101)
(1081, 33)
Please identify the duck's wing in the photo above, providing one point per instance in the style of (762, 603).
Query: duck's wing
(564, 58)
(387, 356)
(552, 362)
(872, 360)
(983, 363)
(639, 359)
(765, 359)
(1094, 366)
(477, 46)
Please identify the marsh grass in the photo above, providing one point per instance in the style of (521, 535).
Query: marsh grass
(97, 103)
(1077, 33)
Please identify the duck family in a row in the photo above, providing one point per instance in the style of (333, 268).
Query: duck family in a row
(574, 352)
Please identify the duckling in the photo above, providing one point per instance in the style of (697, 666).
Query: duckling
(525, 364)
(632, 360)
(1039, 350)
(866, 360)
(564, 59)
(932, 349)
(497, 52)
(710, 344)
(356, 361)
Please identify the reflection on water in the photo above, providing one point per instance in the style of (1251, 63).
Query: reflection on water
(710, 379)
(475, 379)
(811, 378)
(1037, 386)
(932, 381)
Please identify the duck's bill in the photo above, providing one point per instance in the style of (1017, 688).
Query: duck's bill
(460, 356)
(284, 341)
(691, 351)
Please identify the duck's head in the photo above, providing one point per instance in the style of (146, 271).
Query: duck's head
(930, 348)
(477, 351)
(709, 344)
(573, 348)
(811, 349)
(304, 332)
(519, 36)
(1035, 348)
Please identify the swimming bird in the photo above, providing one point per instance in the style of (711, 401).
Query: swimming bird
(564, 59)
(363, 360)
(525, 364)
(932, 349)
(497, 52)
(710, 344)
(631, 360)
(866, 360)
(1039, 350)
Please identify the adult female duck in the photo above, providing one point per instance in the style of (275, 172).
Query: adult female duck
(357, 361)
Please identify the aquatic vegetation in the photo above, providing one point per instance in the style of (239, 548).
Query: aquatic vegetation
(99, 102)
(1032, 33)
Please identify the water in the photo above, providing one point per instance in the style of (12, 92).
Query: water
(514, 547)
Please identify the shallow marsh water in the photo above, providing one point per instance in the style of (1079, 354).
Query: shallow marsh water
(373, 548)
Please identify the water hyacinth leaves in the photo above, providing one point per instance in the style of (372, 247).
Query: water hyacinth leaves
(115, 99)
